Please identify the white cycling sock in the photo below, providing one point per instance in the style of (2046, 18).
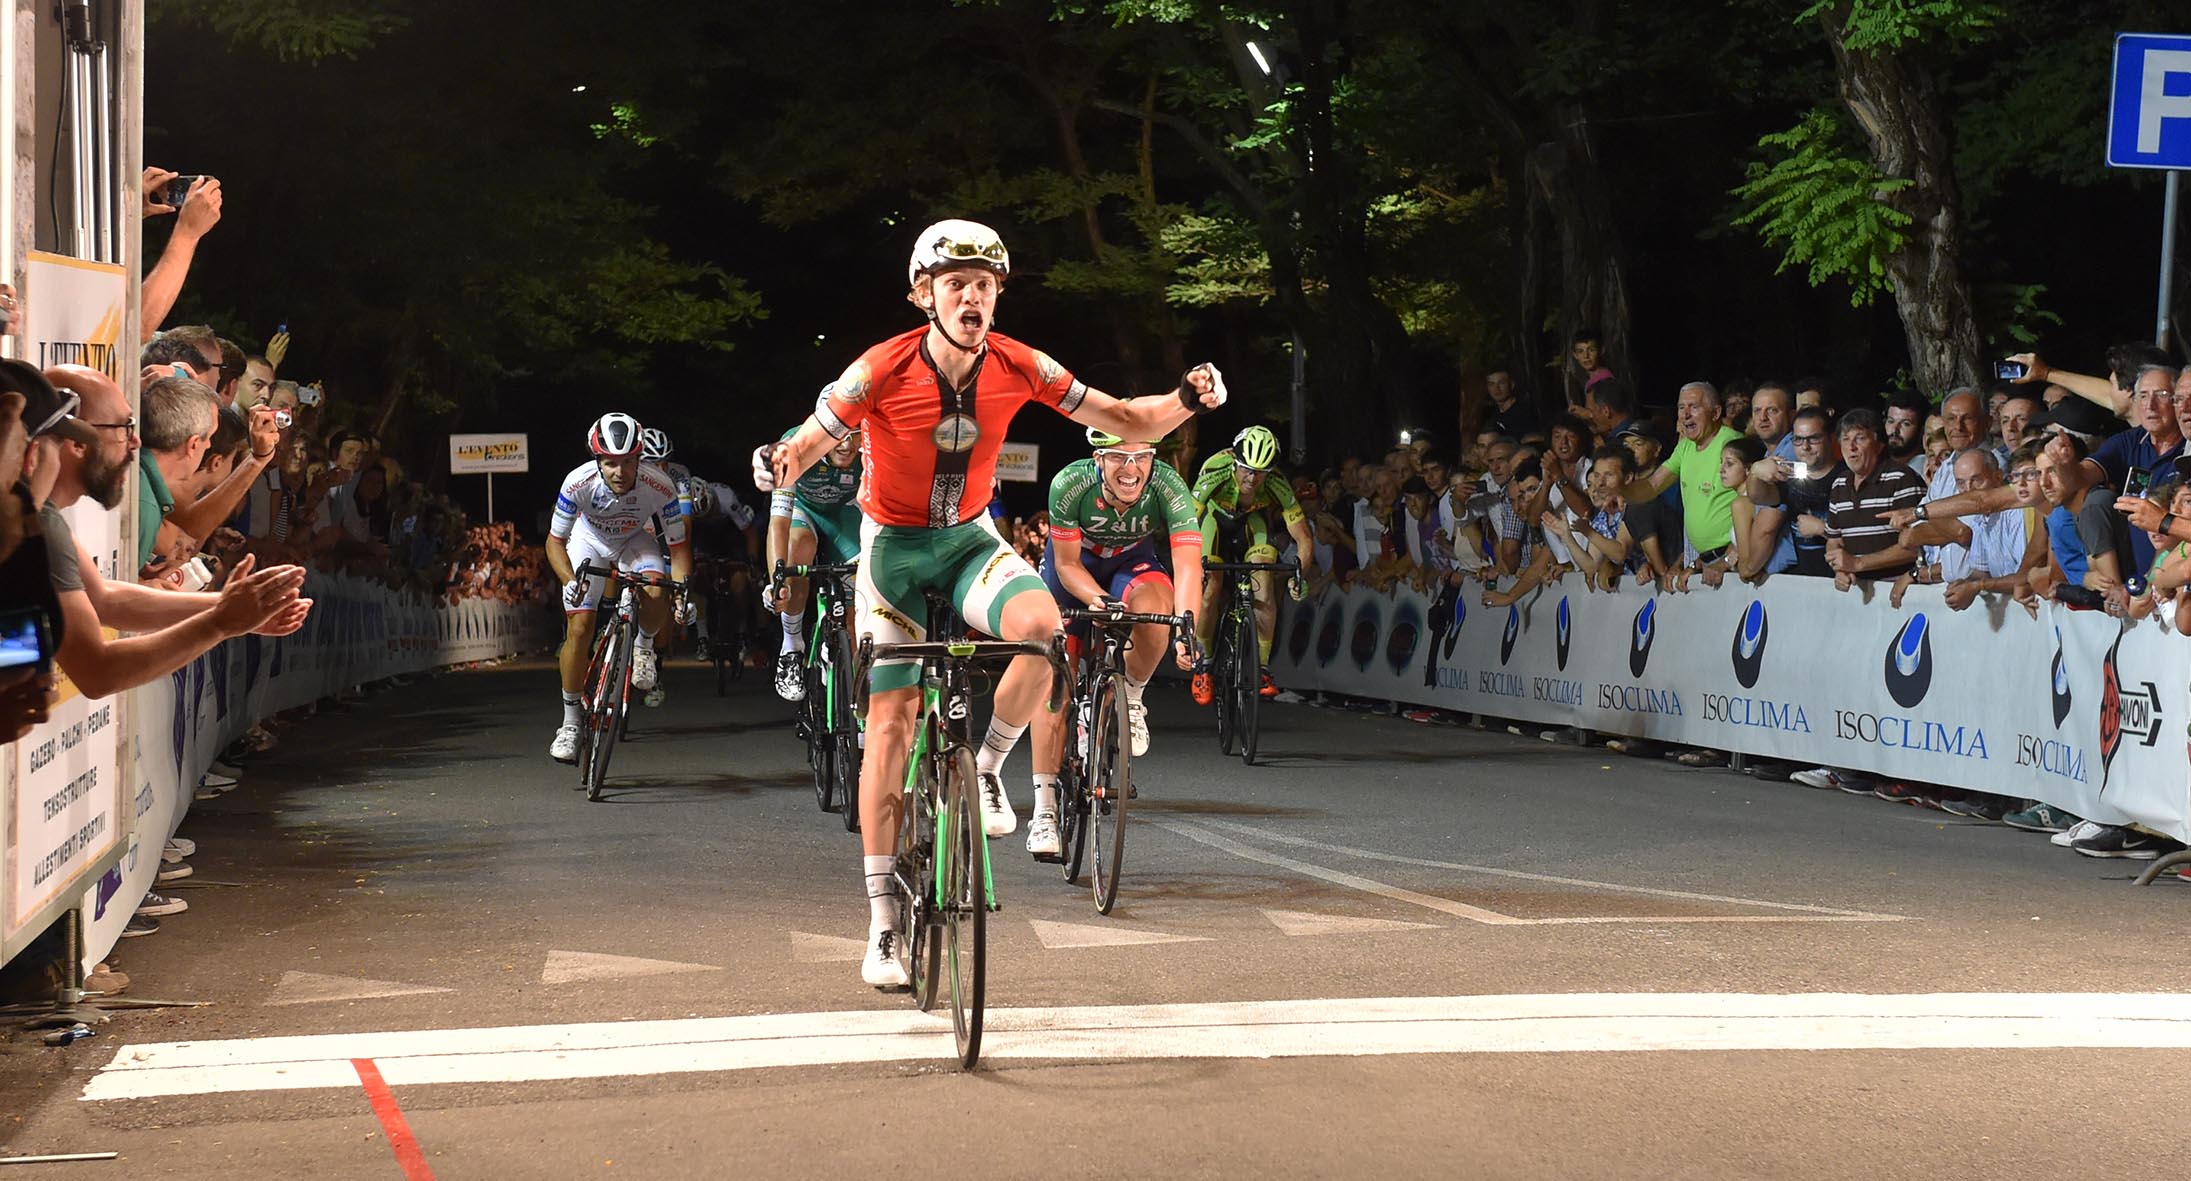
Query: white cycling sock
(882, 899)
(1045, 793)
(1134, 688)
(997, 746)
(646, 641)
(573, 708)
(795, 632)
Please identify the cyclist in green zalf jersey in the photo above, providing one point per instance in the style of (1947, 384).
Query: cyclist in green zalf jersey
(601, 516)
(1109, 514)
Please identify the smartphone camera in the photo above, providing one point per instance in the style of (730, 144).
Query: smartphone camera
(25, 639)
(178, 191)
(1802, 470)
(2010, 370)
(2136, 481)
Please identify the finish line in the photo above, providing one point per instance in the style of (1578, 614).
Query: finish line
(1521, 1024)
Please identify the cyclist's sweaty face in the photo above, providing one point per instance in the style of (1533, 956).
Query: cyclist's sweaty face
(965, 302)
(1126, 471)
(619, 472)
(1248, 480)
(846, 451)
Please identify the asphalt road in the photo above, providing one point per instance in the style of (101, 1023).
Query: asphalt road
(1398, 947)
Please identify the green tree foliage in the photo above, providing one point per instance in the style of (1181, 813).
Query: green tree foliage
(1817, 199)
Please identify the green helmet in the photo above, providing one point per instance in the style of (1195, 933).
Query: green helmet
(1098, 437)
(1256, 448)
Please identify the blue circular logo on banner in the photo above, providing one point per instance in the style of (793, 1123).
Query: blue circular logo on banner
(1909, 663)
(1749, 646)
(1640, 637)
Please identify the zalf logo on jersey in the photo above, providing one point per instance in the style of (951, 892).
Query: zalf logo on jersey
(1640, 637)
(1749, 647)
(1512, 633)
(2061, 683)
(1909, 663)
(1561, 634)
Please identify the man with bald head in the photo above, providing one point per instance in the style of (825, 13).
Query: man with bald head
(176, 627)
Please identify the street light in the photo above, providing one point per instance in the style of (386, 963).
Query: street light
(1261, 63)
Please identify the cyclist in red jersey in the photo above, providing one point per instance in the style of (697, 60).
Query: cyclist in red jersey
(932, 405)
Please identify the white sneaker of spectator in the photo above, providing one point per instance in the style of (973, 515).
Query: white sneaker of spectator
(173, 871)
(2075, 832)
(177, 848)
(155, 905)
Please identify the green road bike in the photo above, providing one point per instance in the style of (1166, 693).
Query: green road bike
(1235, 658)
(825, 716)
(942, 875)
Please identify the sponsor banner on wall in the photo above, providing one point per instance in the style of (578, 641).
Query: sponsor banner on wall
(1019, 461)
(66, 817)
(359, 631)
(472, 454)
(2074, 708)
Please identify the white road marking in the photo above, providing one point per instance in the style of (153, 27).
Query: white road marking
(1794, 912)
(1301, 922)
(825, 949)
(311, 988)
(1055, 935)
(564, 967)
(1554, 1023)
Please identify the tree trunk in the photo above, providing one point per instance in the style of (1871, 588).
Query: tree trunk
(1896, 102)
(1563, 175)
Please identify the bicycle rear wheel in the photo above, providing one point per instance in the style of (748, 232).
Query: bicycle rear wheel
(965, 907)
(1110, 763)
(590, 697)
(844, 729)
(1250, 690)
(917, 853)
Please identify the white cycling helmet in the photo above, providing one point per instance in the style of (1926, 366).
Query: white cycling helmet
(654, 445)
(703, 499)
(957, 243)
(614, 435)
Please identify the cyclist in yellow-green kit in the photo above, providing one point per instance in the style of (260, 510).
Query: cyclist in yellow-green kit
(1234, 491)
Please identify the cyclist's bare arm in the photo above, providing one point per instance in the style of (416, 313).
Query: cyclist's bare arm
(802, 451)
(1304, 539)
(559, 560)
(1149, 418)
(1186, 573)
(680, 561)
(1065, 551)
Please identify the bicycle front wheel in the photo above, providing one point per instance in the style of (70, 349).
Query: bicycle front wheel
(1221, 669)
(608, 714)
(965, 907)
(1110, 764)
(1249, 690)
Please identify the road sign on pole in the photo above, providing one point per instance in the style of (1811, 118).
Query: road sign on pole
(2149, 126)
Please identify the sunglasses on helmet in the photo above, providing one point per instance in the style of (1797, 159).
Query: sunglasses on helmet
(967, 251)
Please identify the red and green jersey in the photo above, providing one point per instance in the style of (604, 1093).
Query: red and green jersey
(1081, 511)
(931, 450)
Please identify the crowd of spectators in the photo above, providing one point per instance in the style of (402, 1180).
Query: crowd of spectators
(2047, 484)
(243, 482)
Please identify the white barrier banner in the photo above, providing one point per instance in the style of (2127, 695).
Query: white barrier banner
(2074, 708)
(359, 631)
(67, 793)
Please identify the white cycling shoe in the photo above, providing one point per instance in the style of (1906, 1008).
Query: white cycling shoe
(565, 747)
(1042, 835)
(1137, 726)
(790, 678)
(644, 672)
(884, 966)
(997, 817)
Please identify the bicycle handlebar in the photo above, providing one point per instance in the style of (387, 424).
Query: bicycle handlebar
(619, 577)
(974, 651)
(811, 570)
(1214, 564)
(1105, 618)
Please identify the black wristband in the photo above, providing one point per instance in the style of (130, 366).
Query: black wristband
(1188, 398)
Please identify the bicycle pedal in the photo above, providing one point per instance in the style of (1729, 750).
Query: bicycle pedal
(655, 697)
(1049, 858)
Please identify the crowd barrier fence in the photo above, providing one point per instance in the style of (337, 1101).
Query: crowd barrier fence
(2074, 708)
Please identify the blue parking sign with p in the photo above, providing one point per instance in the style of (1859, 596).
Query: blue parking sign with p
(2149, 116)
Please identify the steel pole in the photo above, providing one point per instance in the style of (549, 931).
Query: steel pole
(1300, 400)
(2168, 257)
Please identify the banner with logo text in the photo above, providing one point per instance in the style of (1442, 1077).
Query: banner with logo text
(2074, 708)
(359, 632)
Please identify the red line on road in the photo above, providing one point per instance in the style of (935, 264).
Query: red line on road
(391, 1121)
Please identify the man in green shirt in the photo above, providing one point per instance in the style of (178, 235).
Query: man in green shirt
(178, 426)
(1707, 504)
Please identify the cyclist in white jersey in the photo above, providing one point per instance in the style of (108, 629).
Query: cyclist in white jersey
(603, 515)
